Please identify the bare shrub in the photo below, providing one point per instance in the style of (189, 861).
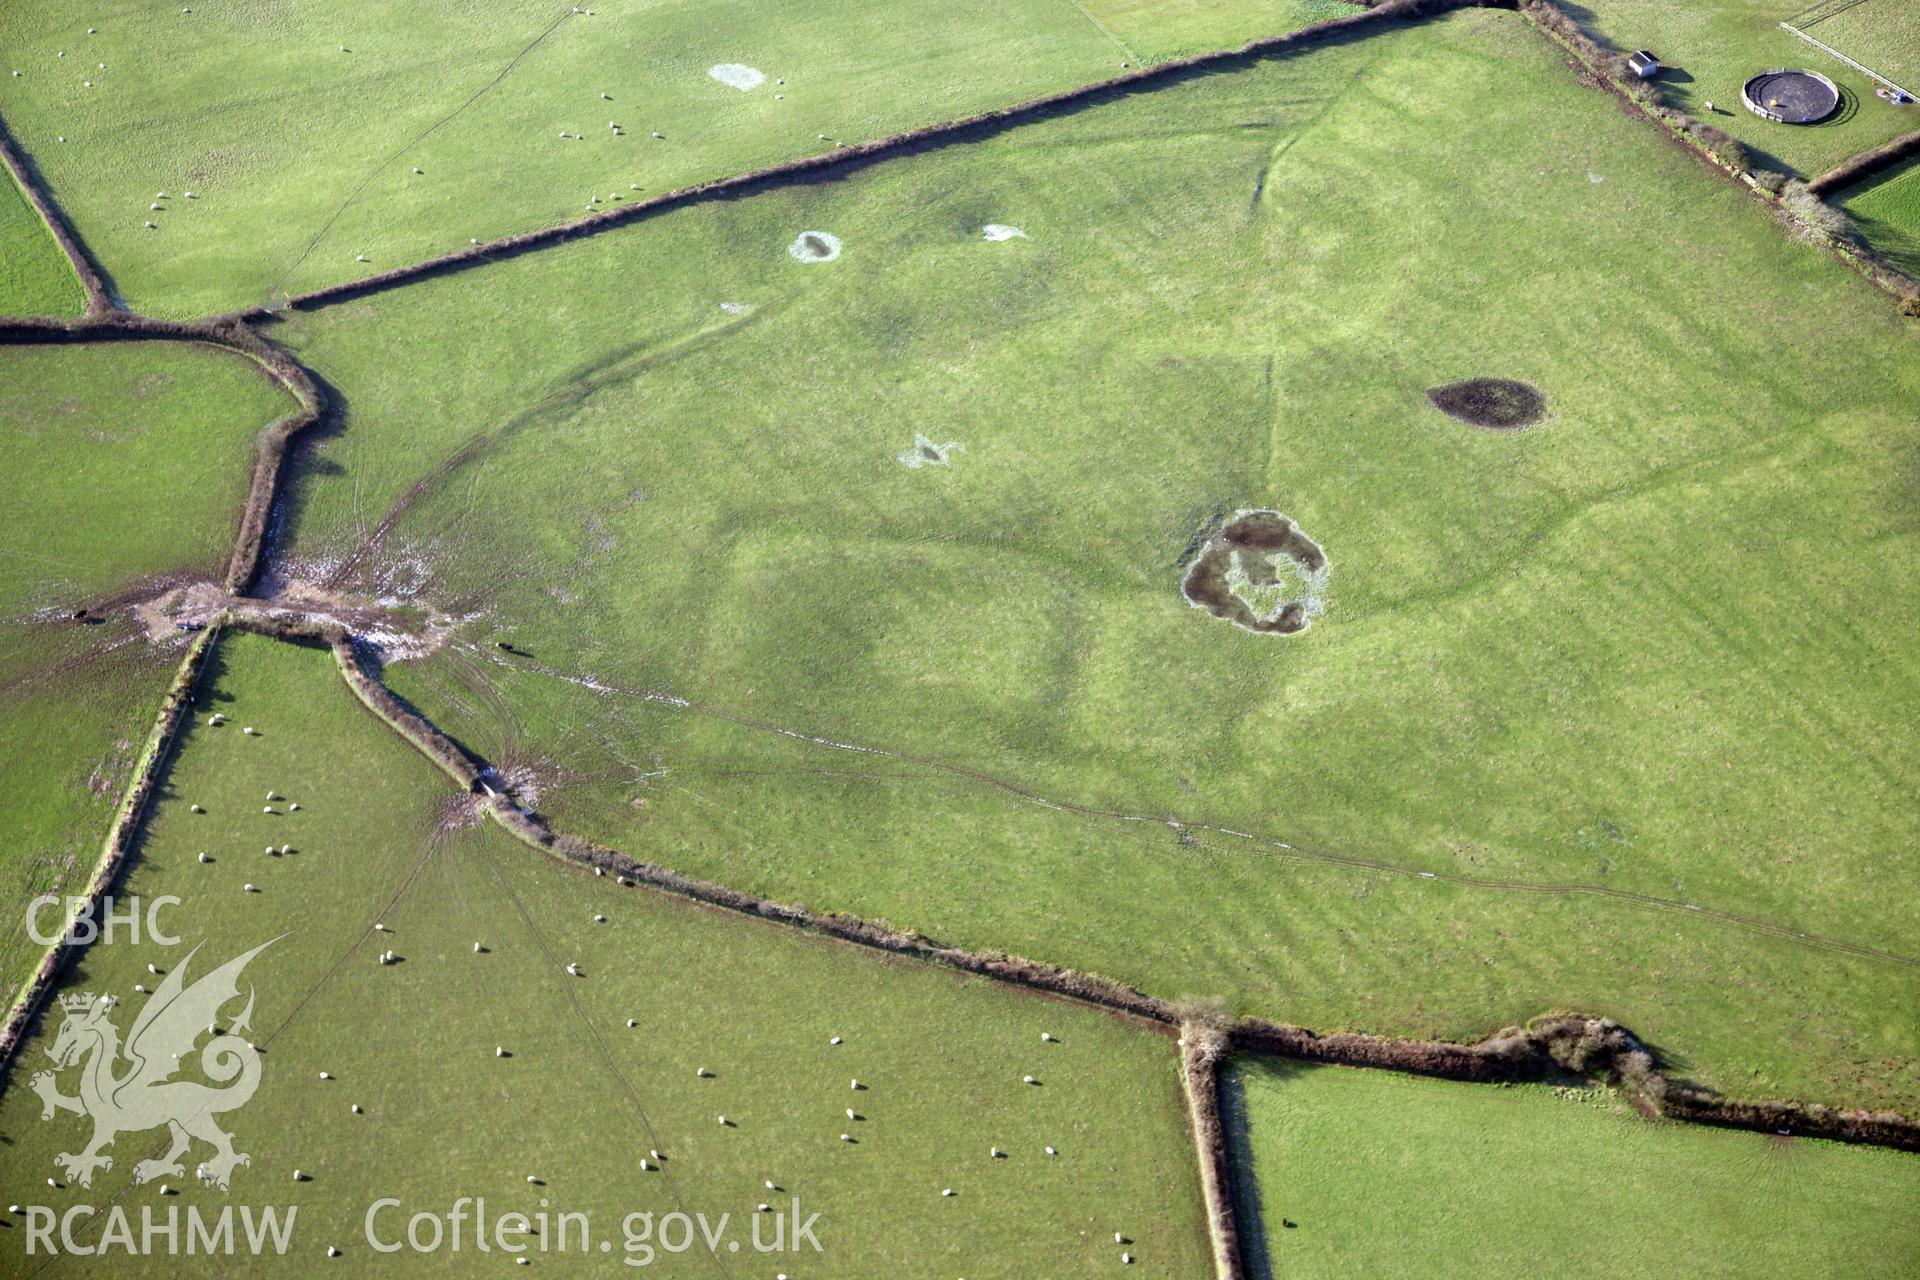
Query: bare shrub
(1801, 201)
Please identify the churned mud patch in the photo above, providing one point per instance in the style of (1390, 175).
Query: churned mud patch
(737, 75)
(1258, 571)
(1499, 404)
(925, 453)
(815, 246)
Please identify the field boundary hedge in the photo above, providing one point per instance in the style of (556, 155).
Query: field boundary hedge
(1866, 164)
(1203, 1047)
(1826, 226)
(225, 334)
(91, 287)
(128, 818)
(844, 160)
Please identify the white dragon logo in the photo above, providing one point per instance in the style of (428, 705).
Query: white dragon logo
(144, 1096)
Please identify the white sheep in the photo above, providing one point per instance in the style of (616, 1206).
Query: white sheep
(947, 1192)
(204, 857)
(250, 889)
(325, 1075)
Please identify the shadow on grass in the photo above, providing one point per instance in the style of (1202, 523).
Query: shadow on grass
(1249, 1206)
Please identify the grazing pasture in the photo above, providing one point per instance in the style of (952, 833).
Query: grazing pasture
(122, 467)
(593, 1026)
(1150, 31)
(1351, 1172)
(1608, 712)
(324, 142)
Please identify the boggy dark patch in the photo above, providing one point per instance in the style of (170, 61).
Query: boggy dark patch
(1499, 404)
(1245, 546)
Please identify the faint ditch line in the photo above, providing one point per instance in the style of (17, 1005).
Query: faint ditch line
(599, 1041)
(1283, 849)
(89, 1230)
(581, 386)
(422, 136)
(1104, 30)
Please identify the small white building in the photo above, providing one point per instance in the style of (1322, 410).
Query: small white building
(1643, 64)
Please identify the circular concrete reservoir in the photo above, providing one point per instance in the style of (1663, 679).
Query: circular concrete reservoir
(1791, 97)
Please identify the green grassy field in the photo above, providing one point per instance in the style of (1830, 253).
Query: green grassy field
(1711, 47)
(34, 278)
(1155, 30)
(969, 698)
(123, 464)
(1887, 211)
(380, 838)
(1371, 1173)
(1880, 34)
(298, 128)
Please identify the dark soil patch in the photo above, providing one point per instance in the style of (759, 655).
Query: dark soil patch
(1499, 404)
(1248, 543)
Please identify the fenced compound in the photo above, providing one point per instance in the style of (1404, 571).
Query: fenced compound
(1844, 22)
